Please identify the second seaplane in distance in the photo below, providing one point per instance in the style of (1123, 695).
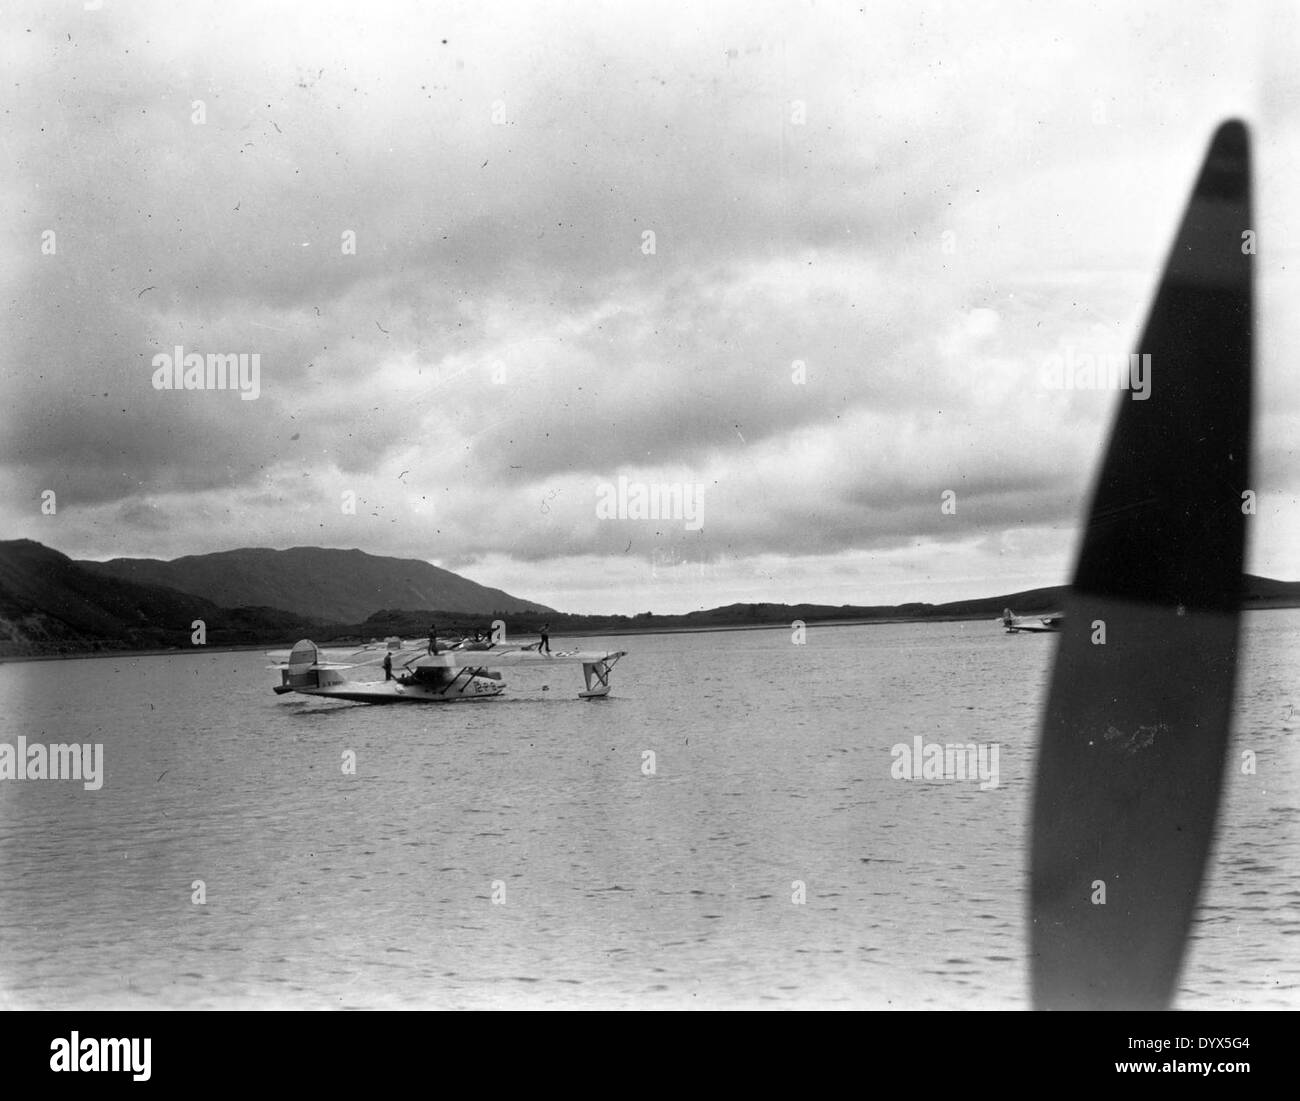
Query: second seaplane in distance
(418, 673)
(1015, 624)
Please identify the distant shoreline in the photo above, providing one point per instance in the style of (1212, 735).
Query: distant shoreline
(335, 643)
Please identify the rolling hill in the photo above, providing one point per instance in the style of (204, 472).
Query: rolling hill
(50, 604)
(321, 584)
(1257, 593)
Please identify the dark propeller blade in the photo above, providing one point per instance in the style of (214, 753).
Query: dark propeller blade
(1135, 734)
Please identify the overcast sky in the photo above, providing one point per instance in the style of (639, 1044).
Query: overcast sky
(918, 202)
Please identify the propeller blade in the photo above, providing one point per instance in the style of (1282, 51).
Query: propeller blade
(1136, 727)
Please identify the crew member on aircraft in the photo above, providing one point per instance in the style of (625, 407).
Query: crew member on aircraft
(433, 638)
(544, 647)
(388, 667)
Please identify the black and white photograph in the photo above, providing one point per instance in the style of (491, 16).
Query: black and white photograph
(650, 506)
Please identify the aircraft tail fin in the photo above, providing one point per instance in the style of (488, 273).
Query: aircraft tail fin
(301, 671)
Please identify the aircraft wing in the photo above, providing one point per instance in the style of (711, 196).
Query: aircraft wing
(341, 659)
(501, 658)
(280, 660)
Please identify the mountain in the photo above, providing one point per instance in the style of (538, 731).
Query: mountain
(1264, 592)
(330, 586)
(51, 604)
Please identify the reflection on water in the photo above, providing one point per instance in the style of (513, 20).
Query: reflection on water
(516, 852)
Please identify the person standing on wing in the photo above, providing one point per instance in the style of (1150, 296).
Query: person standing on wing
(388, 667)
(433, 638)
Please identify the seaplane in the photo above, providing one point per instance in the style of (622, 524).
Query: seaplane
(1032, 624)
(458, 671)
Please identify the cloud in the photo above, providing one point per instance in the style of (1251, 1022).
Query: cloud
(870, 229)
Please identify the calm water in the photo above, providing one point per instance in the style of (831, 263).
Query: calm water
(772, 765)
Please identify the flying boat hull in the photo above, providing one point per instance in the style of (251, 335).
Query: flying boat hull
(476, 688)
